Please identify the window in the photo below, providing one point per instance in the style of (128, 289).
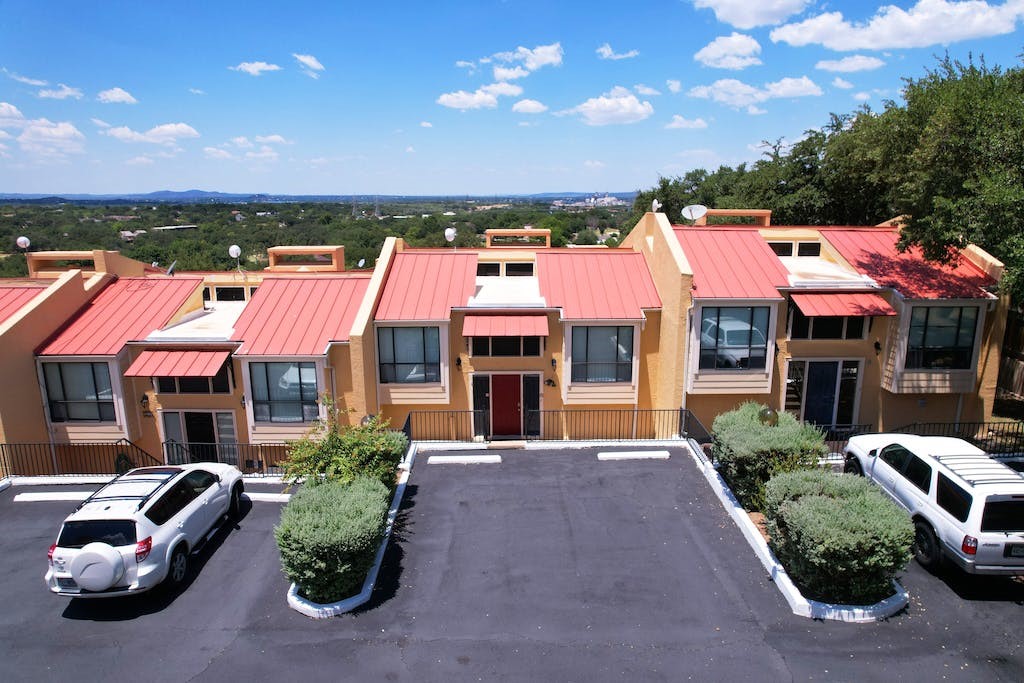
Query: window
(602, 354)
(409, 355)
(199, 481)
(825, 327)
(941, 337)
(782, 248)
(79, 392)
(1003, 515)
(823, 391)
(488, 269)
(895, 456)
(919, 473)
(284, 392)
(171, 503)
(252, 292)
(734, 338)
(218, 384)
(230, 293)
(808, 249)
(519, 269)
(952, 498)
(505, 346)
(115, 532)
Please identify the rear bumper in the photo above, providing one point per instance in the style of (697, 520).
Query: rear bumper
(971, 567)
(146, 579)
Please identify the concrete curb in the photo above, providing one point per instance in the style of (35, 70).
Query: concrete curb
(5, 483)
(316, 610)
(800, 605)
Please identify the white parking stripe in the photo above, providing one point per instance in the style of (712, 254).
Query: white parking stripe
(634, 455)
(54, 496)
(464, 460)
(269, 497)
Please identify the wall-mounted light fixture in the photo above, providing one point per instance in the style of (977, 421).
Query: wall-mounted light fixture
(549, 382)
(554, 363)
(144, 402)
(878, 347)
(458, 362)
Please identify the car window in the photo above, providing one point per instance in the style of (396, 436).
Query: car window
(1003, 515)
(919, 473)
(952, 498)
(896, 456)
(171, 503)
(115, 532)
(199, 480)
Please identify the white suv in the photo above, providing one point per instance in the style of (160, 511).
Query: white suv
(965, 506)
(140, 529)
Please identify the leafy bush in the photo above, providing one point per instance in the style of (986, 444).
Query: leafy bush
(335, 452)
(329, 534)
(749, 452)
(839, 537)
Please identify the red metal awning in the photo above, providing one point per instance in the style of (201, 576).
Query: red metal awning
(505, 326)
(842, 304)
(177, 364)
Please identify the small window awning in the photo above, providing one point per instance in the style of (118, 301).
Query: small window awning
(505, 326)
(177, 364)
(842, 304)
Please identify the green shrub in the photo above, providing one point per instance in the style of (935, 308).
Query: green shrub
(749, 452)
(839, 537)
(329, 535)
(335, 452)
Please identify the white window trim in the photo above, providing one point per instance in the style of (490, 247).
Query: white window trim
(250, 417)
(442, 342)
(565, 374)
(769, 354)
(835, 403)
(907, 312)
(810, 327)
(113, 367)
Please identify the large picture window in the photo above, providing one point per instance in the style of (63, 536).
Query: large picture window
(941, 337)
(734, 338)
(284, 392)
(409, 355)
(602, 354)
(79, 392)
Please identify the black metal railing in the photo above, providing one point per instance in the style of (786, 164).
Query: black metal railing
(447, 425)
(1004, 439)
(258, 458)
(837, 435)
(66, 459)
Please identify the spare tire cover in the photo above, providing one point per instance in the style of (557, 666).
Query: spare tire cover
(97, 567)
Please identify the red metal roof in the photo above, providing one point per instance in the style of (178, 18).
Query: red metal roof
(842, 304)
(129, 309)
(731, 264)
(299, 316)
(425, 285)
(597, 284)
(177, 364)
(505, 326)
(13, 298)
(873, 252)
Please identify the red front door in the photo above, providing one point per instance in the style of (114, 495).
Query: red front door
(506, 405)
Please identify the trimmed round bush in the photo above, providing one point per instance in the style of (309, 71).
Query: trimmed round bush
(329, 535)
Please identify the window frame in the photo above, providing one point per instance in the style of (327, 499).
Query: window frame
(426, 362)
(226, 368)
(768, 335)
(480, 342)
(845, 334)
(573, 361)
(304, 403)
(909, 350)
(844, 364)
(113, 401)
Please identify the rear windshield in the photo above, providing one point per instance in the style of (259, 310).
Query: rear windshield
(1003, 515)
(115, 532)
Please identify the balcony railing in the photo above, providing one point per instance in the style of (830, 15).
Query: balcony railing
(836, 436)
(68, 459)
(262, 458)
(998, 439)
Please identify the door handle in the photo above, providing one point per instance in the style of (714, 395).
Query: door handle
(181, 525)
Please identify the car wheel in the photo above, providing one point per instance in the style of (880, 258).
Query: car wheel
(235, 507)
(178, 570)
(852, 466)
(926, 546)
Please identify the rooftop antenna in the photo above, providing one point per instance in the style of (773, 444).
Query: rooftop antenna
(170, 270)
(23, 243)
(655, 205)
(235, 251)
(694, 212)
(449, 234)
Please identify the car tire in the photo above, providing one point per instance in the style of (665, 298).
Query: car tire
(235, 507)
(852, 466)
(926, 546)
(177, 571)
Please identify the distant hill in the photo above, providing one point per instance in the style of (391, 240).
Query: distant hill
(205, 196)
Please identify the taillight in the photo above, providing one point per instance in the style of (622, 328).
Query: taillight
(142, 549)
(49, 554)
(970, 545)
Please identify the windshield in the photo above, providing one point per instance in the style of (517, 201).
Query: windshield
(115, 532)
(1003, 515)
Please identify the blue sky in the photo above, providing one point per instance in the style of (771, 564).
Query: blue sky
(480, 97)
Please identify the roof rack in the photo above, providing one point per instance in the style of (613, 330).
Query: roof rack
(978, 469)
(142, 498)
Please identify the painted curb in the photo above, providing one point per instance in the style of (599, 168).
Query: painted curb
(633, 455)
(5, 483)
(464, 460)
(317, 610)
(801, 606)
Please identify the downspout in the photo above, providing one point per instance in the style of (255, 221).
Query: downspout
(959, 410)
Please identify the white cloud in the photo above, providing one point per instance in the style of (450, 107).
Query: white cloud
(255, 68)
(929, 22)
(62, 92)
(4, 135)
(673, 86)
(217, 153)
(606, 52)
(464, 64)
(24, 79)
(426, 124)
(850, 64)
(265, 153)
(197, 91)
(756, 111)
(10, 116)
(116, 96)
(410, 150)
(540, 56)
(164, 134)
(529, 107)
(862, 96)
(45, 138)
(691, 124)
(462, 100)
(735, 51)
(273, 139)
(507, 89)
(140, 161)
(241, 141)
(594, 164)
(738, 94)
(618, 106)
(504, 73)
(311, 66)
(642, 89)
(838, 82)
(747, 14)
(100, 123)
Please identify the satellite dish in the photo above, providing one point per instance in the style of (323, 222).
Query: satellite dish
(694, 212)
(155, 264)
(234, 251)
(449, 234)
(23, 242)
(362, 262)
(170, 270)
(655, 205)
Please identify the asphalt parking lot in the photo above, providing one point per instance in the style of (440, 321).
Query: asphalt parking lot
(549, 566)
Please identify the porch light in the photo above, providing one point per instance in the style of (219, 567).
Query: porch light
(549, 382)
(554, 363)
(878, 347)
(458, 362)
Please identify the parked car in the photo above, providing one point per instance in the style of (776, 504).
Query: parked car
(966, 506)
(141, 528)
